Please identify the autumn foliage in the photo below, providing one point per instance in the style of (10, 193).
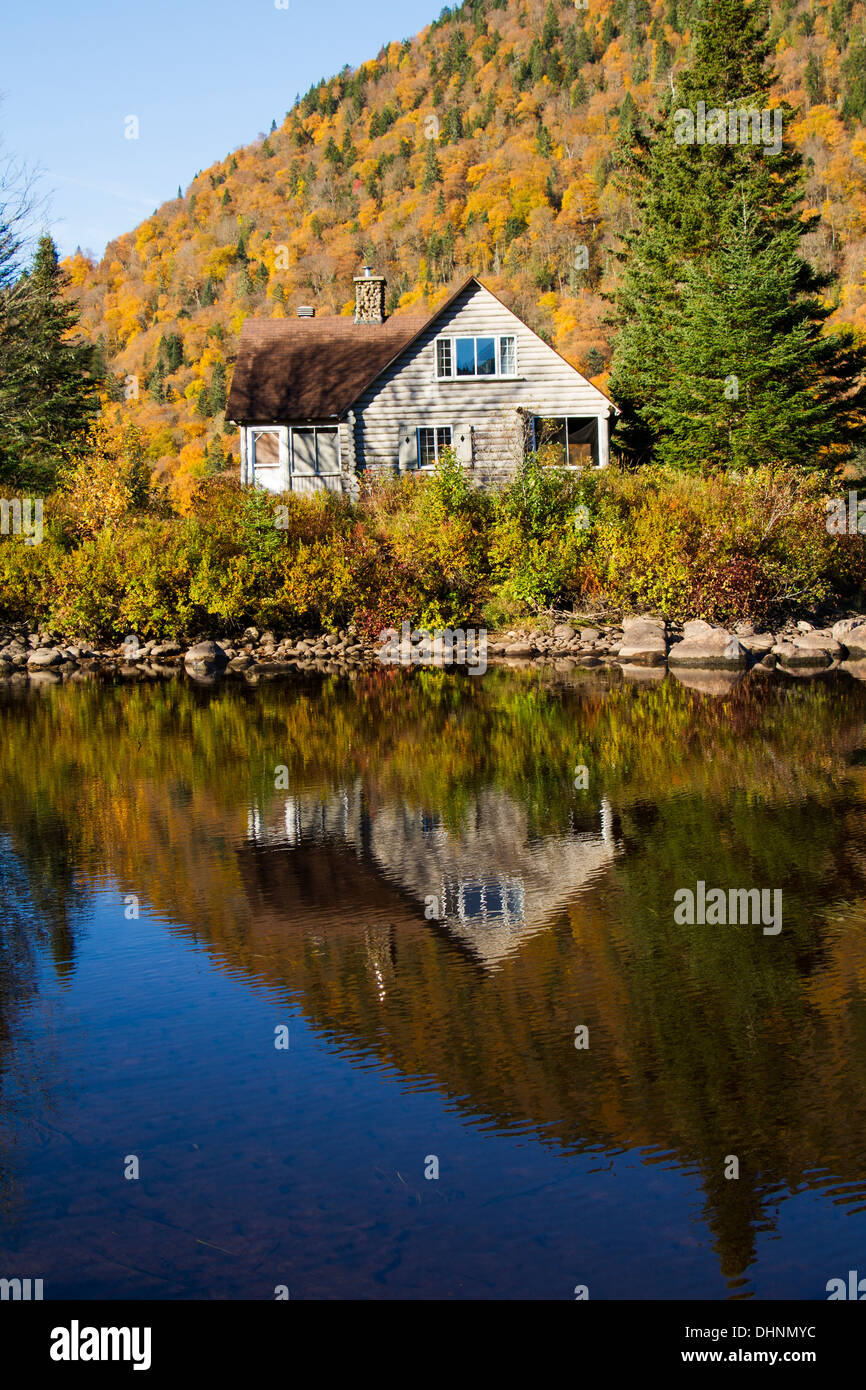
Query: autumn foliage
(488, 144)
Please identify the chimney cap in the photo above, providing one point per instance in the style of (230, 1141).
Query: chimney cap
(368, 270)
(306, 311)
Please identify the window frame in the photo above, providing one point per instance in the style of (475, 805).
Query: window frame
(449, 341)
(315, 430)
(435, 430)
(254, 468)
(564, 419)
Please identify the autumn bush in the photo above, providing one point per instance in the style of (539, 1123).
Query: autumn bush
(753, 547)
(434, 550)
(539, 537)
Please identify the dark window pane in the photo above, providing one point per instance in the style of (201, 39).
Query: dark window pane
(267, 450)
(493, 898)
(328, 450)
(551, 432)
(580, 433)
(426, 448)
(472, 901)
(443, 437)
(465, 356)
(486, 349)
(303, 451)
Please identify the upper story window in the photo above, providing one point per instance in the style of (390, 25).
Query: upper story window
(475, 357)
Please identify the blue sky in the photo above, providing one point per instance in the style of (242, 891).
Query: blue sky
(202, 76)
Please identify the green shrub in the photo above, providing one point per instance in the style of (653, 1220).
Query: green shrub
(436, 551)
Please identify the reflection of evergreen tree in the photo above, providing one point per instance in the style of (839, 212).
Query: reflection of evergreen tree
(706, 1042)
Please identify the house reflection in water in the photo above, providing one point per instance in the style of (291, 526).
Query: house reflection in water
(489, 885)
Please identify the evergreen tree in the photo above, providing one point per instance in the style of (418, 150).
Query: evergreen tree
(48, 381)
(752, 377)
(854, 71)
(550, 28)
(432, 168)
(691, 313)
(815, 89)
(583, 49)
(579, 92)
(217, 388)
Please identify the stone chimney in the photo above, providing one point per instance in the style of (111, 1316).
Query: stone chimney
(369, 297)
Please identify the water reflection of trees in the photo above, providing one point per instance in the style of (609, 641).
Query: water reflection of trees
(703, 1043)
(42, 910)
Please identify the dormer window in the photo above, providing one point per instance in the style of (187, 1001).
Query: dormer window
(476, 357)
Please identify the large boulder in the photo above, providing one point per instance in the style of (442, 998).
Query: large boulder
(758, 644)
(792, 656)
(708, 648)
(43, 657)
(205, 658)
(854, 640)
(816, 641)
(841, 629)
(644, 642)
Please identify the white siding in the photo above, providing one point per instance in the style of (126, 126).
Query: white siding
(409, 394)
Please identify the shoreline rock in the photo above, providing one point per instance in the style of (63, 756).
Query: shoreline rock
(641, 647)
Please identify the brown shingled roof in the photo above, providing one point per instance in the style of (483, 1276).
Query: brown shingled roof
(311, 369)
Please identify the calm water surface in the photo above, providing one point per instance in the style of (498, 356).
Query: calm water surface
(287, 849)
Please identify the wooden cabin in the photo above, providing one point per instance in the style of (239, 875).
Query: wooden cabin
(319, 401)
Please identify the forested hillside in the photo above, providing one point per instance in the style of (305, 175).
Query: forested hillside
(488, 144)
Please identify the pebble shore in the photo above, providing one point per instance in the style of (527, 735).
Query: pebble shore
(641, 645)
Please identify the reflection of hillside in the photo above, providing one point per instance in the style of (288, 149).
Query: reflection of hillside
(688, 1060)
(407, 788)
(489, 882)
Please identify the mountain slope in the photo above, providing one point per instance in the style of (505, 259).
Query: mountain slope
(484, 145)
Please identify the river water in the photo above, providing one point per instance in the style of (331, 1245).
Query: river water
(373, 988)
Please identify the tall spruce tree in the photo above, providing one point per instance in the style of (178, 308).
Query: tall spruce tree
(715, 367)
(49, 386)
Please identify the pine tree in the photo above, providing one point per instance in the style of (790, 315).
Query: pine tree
(550, 29)
(752, 377)
(689, 313)
(814, 81)
(48, 384)
(432, 169)
(854, 71)
(543, 142)
(217, 388)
